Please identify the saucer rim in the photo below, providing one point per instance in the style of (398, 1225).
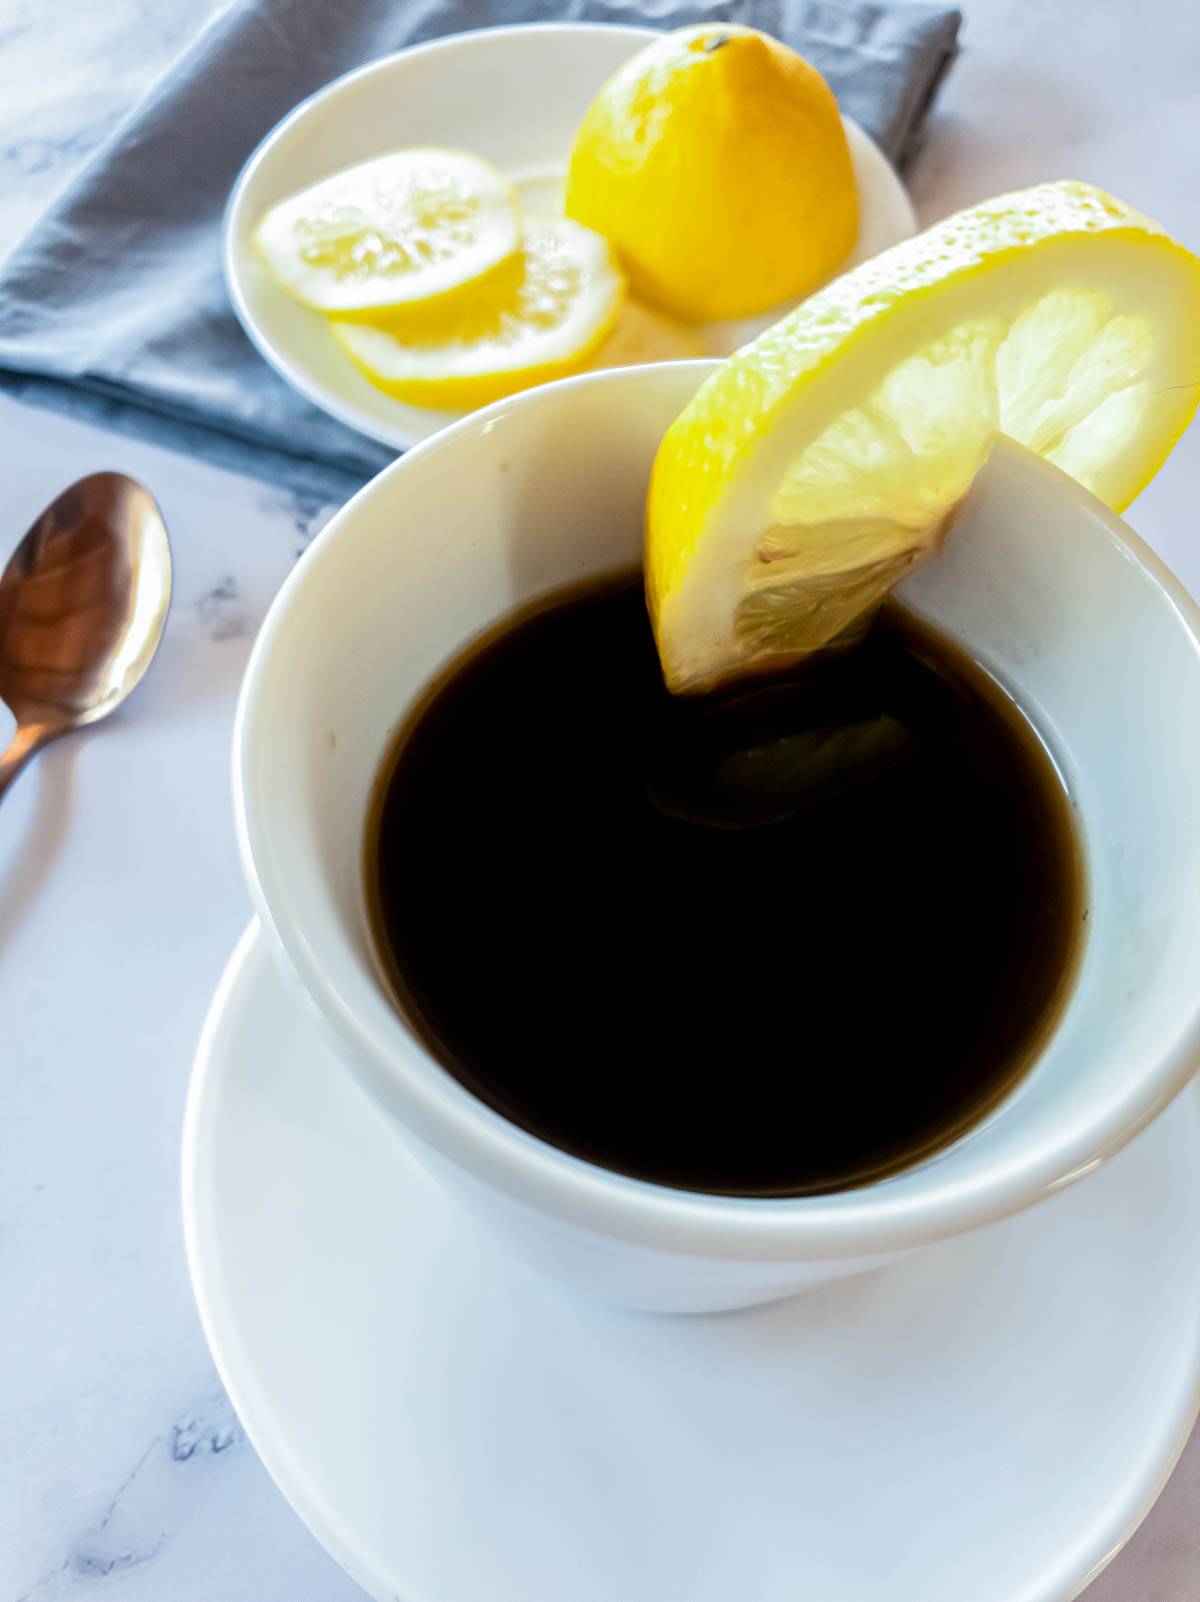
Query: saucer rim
(296, 1484)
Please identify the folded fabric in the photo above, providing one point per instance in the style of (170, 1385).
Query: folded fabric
(113, 307)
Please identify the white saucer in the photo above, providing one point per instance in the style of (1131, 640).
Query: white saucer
(515, 96)
(986, 1423)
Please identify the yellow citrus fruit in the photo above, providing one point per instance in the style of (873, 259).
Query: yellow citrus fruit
(819, 463)
(540, 317)
(389, 233)
(716, 164)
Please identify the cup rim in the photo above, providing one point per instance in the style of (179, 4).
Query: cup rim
(865, 1221)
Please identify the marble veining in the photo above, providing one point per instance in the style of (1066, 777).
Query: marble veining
(308, 513)
(133, 1528)
(221, 611)
(69, 71)
(124, 1474)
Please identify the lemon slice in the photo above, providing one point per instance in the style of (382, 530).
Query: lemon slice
(822, 461)
(390, 232)
(539, 318)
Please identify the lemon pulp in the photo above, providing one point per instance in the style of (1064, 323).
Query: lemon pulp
(539, 319)
(381, 236)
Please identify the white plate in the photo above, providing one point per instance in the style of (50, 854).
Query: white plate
(514, 95)
(988, 1421)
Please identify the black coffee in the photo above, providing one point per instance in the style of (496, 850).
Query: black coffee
(778, 941)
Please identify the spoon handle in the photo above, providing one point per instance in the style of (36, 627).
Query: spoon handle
(29, 739)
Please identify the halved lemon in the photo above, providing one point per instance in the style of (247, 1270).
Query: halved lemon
(540, 318)
(388, 233)
(818, 464)
(716, 164)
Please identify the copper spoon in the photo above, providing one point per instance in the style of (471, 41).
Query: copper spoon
(83, 602)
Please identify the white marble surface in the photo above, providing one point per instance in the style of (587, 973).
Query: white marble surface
(123, 1475)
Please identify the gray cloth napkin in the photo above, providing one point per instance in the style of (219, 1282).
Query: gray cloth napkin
(113, 307)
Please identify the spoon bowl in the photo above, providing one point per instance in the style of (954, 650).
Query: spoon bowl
(83, 603)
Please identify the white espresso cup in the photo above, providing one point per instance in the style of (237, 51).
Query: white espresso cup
(1046, 589)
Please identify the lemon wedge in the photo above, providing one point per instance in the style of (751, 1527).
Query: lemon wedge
(819, 463)
(403, 228)
(539, 318)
